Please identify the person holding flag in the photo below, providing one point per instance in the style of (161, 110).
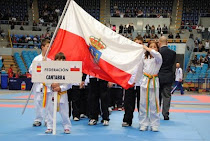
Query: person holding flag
(149, 88)
(40, 90)
(131, 95)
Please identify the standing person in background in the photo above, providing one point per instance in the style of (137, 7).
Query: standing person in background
(84, 89)
(166, 75)
(98, 91)
(10, 71)
(207, 47)
(74, 97)
(159, 29)
(120, 29)
(178, 80)
(130, 96)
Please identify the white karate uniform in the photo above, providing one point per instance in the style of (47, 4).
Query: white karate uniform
(63, 108)
(151, 67)
(38, 95)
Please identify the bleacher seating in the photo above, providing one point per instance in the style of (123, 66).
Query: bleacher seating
(91, 6)
(19, 43)
(13, 8)
(192, 9)
(20, 63)
(1, 64)
(28, 57)
(146, 6)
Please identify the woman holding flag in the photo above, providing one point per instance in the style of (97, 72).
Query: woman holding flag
(149, 88)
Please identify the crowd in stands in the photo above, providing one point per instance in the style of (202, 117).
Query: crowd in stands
(145, 8)
(13, 11)
(49, 11)
(29, 41)
(193, 9)
(201, 45)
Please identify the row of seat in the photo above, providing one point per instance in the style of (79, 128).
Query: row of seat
(1, 64)
(198, 72)
(28, 57)
(14, 8)
(193, 8)
(20, 63)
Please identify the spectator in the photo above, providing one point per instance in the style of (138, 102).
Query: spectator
(165, 29)
(206, 60)
(177, 36)
(159, 29)
(125, 29)
(156, 36)
(3, 69)
(189, 70)
(202, 31)
(120, 29)
(198, 28)
(10, 71)
(140, 13)
(2, 33)
(195, 60)
(12, 25)
(208, 33)
(200, 47)
(35, 26)
(21, 27)
(57, 11)
(114, 28)
(201, 60)
(115, 7)
(170, 36)
(153, 29)
(148, 28)
(207, 45)
(28, 38)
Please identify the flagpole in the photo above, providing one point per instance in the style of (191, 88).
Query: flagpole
(28, 99)
(56, 30)
(58, 26)
(55, 111)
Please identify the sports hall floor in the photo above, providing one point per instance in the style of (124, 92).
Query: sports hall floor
(189, 121)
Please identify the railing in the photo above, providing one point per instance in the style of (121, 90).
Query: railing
(205, 14)
(10, 41)
(15, 22)
(200, 84)
(27, 45)
(144, 15)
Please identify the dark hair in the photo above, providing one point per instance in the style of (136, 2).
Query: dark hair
(139, 38)
(60, 56)
(45, 41)
(147, 54)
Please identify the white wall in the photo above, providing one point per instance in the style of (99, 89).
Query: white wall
(180, 48)
(11, 51)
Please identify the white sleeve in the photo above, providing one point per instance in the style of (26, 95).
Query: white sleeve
(180, 74)
(157, 56)
(65, 87)
(138, 73)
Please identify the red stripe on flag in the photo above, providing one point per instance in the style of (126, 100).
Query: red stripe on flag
(75, 69)
(75, 49)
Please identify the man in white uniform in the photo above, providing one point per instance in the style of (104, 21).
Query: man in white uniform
(178, 81)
